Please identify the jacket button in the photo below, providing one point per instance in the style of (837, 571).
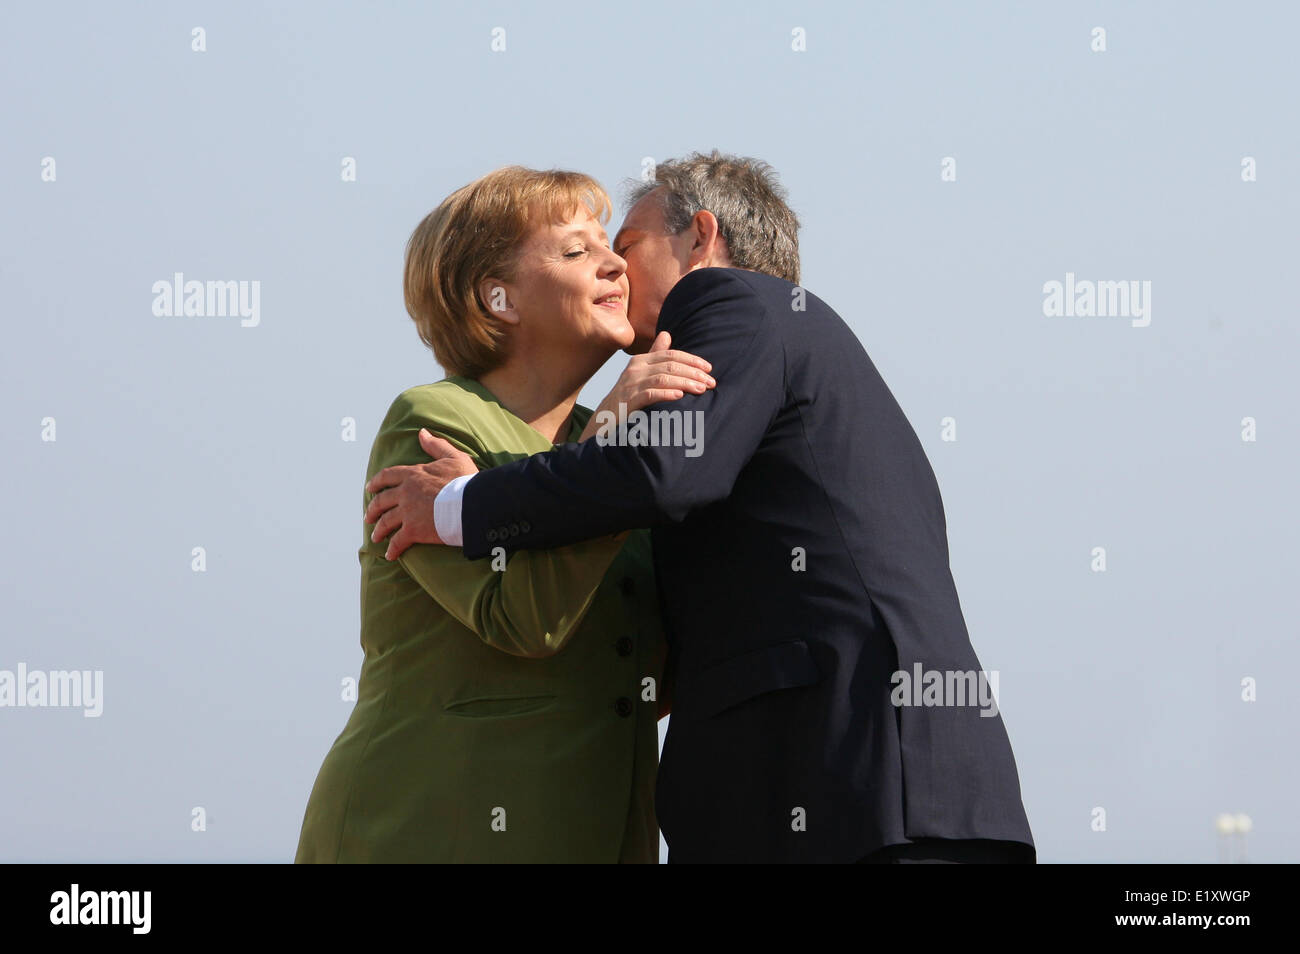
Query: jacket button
(624, 646)
(514, 529)
(524, 526)
(491, 536)
(623, 706)
(627, 586)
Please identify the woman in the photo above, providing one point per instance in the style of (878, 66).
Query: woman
(507, 707)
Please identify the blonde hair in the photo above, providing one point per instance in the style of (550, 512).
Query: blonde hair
(473, 235)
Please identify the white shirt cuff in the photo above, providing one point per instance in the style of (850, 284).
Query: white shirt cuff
(446, 511)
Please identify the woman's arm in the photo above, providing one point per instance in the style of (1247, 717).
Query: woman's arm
(527, 603)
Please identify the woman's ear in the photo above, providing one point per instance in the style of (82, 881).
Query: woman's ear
(495, 298)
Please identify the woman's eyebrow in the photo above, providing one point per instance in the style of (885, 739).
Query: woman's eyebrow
(578, 233)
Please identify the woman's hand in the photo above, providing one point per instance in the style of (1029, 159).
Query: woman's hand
(658, 375)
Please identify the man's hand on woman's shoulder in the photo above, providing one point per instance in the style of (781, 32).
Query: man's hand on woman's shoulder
(404, 495)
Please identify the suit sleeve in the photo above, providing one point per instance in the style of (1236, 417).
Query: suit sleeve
(532, 606)
(586, 490)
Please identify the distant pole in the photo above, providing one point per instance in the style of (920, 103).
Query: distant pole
(1244, 826)
(1226, 826)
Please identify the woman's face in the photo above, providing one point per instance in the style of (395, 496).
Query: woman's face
(570, 290)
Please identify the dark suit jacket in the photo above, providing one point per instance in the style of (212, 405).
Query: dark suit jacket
(802, 560)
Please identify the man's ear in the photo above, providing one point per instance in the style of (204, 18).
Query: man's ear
(709, 247)
(494, 296)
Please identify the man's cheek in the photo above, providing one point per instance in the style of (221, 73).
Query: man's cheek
(645, 329)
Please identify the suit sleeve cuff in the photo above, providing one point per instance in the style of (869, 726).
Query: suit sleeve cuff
(446, 511)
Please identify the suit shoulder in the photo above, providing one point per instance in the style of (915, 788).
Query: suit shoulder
(757, 282)
(701, 281)
(709, 290)
(709, 285)
(763, 284)
(785, 298)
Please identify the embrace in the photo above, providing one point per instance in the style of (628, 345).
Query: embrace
(746, 532)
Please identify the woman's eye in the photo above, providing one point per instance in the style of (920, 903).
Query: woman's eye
(572, 254)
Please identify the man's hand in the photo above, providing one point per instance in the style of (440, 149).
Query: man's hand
(404, 495)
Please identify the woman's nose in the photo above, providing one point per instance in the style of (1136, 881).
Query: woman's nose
(616, 263)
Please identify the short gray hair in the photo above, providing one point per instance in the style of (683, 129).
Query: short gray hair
(761, 230)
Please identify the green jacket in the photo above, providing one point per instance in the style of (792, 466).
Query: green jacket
(503, 713)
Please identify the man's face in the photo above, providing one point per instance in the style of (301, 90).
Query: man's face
(655, 262)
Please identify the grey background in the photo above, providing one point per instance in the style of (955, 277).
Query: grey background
(1119, 689)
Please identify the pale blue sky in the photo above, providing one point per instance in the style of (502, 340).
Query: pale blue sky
(1119, 689)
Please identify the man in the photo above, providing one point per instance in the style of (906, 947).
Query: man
(801, 551)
